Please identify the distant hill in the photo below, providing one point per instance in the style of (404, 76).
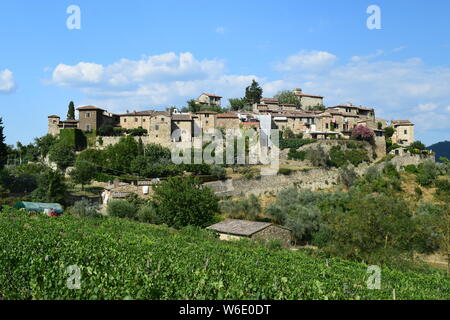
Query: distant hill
(442, 149)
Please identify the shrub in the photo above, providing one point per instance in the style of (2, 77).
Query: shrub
(410, 168)
(147, 213)
(362, 132)
(428, 172)
(339, 157)
(85, 209)
(184, 201)
(121, 209)
(317, 156)
(347, 176)
(218, 171)
(294, 143)
(285, 171)
(390, 171)
(296, 155)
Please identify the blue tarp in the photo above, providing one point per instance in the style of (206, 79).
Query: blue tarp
(39, 207)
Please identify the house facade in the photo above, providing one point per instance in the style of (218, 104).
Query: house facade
(403, 132)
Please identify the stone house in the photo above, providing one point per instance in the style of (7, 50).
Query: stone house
(227, 121)
(307, 101)
(403, 132)
(55, 124)
(182, 127)
(92, 118)
(209, 99)
(233, 229)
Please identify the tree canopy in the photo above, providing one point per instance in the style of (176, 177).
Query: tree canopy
(253, 93)
(71, 111)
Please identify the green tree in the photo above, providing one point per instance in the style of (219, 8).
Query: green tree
(389, 132)
(237, 104)
(62, 154)
(253, 93)
(183, 201)
(3, 148)
(118, 157)
(44, 144)
(288, 97)
(71, 111)
(51, 188)
(83, 173)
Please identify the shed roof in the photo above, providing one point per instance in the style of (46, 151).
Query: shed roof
(240, 227)
(90, 108)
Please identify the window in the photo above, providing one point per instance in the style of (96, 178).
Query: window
(125, 120)
(88, 114)
(206, 115)
(406, 131)
(136, 119)
(88, 127)
(54, 121)
(326, 126)
(157, 128)
(162, 119)
(143, 120)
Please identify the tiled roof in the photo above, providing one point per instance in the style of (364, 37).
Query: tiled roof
(181, 117)
(148, 113)
(308, 95)
(239, 227)
(227, 115)
(54, 116)
(402, 122)
(206, 112)
(90, 108)
(212, 95)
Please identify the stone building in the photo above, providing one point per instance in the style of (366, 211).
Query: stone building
(307, 101)
(227, 121)
(403, 132)
(92, 118)
(209, 99)
(232, 229)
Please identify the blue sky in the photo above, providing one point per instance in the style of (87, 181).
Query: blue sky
(139, 55)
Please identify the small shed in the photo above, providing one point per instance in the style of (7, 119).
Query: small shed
(233, 229)
(39, 207)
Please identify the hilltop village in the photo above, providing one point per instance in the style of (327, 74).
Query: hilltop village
(309, 117)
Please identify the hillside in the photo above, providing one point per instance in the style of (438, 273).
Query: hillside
(124, 259)
(442, 149)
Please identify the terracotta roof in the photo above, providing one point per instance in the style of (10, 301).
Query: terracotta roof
(227, 115)
(308, 95)
(206, 112)
(402, 122)
(69, 121)
(250, 124)
(239, 227)
(53, 116)
(365, 109)
(90, 108)
(344, 106)
(181, 117)
(149, 113)
(273, 100)
(212, 95)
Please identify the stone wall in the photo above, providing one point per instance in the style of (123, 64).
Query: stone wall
(274, 232)
(313, 179)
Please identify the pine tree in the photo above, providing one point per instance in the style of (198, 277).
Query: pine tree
(71, 111)
(3, 148)
(253, 93)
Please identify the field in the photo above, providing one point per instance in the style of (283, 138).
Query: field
(121, 259)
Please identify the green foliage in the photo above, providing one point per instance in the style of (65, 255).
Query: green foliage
(294, 143)
(428, 172)
(71, 111)
(293, 209)
(3, 149)
(183, 201)
(85, 209)
(44, 144)
(339, 158)
(83, 172)
(50, 188)
(62, 154)
(285, 171)
(296, 155)
(247, 208)
(237, 104)
(288, 97)
(347, 176)
(389, 132)
(74, 138)
(390, 171)
(417, 145)
(121, 209)
(317, 156)
(148, 213)
(121, 259)
(253, 93)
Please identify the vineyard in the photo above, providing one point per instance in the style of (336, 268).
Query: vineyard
(121, 259)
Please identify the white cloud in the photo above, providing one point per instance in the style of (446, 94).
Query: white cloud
(427, 106)
(152, 81)
(406, 89)
(306, 60)
(7, 83)
(220, 30)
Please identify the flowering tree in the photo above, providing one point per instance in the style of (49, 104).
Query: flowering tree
(362, 132)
